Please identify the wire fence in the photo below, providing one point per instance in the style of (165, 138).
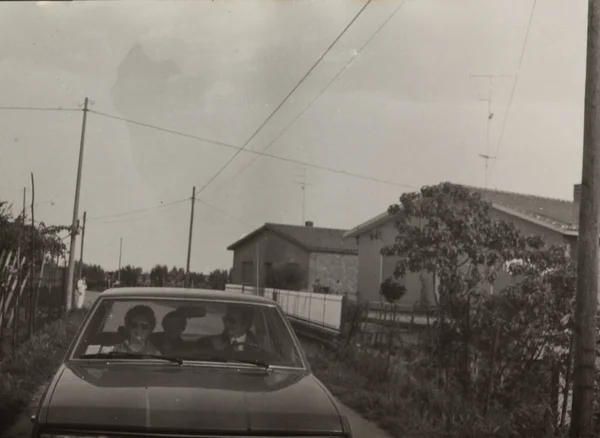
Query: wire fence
(28, 301)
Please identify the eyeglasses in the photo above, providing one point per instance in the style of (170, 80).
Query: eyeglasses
(142, 325)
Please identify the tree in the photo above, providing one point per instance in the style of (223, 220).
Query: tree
(218, 279)
(130, 276)
(158, 275)
(447, 231)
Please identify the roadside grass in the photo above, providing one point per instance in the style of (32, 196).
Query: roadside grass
(23, 371)
(406, 404)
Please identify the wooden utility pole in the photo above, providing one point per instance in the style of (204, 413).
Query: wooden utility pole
(582, 417)
(189, 253)
(81, 251)
(32, 300)
(120, 253)
(71, 272)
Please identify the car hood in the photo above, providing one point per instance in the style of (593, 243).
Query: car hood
(190, 398)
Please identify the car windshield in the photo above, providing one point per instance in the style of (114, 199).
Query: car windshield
(175, 330)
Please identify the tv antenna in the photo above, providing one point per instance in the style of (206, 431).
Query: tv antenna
(490, 115)
(303, 184)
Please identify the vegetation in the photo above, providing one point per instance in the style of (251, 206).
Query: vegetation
(489, 363)
(32, 364)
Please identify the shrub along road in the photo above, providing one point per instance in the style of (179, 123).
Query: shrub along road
(22, 426)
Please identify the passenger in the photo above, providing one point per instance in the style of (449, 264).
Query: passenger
(170, 342)
(236, 334)
(139, 323)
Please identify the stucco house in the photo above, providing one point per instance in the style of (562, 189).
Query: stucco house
(319, 253)
(555, 220)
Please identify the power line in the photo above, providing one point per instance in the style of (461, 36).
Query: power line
(286, 97)
(310, 104)
(168, 131)
(512, 93)
(126, 213)
(34, 108)
(263, 154)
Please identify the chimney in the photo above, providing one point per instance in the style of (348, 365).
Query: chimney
(308, 223)
(576, 204)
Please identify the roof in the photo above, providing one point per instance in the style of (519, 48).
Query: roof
(556, 214)
(312, 239)
(183, 293)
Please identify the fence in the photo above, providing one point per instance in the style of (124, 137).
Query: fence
(27, 305)
(320, 310)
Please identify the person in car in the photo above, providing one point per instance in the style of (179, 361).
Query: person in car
(236, 335)
(170, 341)
(139, 323)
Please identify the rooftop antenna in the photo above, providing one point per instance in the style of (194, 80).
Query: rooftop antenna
(303, 185)
(490, 115)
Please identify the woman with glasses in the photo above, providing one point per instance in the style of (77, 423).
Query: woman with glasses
(139, 323)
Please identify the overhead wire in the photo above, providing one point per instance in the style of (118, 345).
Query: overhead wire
(276, 157)
(35, 108)
(129, 212)
(310, 104)
(224, 166)
(168, 131)
(512, 93)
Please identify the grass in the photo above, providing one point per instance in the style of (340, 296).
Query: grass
(23, 371)
(407, 404)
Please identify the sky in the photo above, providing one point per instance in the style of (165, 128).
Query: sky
(396, 98)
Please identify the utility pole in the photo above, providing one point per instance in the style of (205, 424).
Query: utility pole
(81, 251)
(586, 300)
(32, 309)
(189, 253)
(120, 253)
(489, 117)
(71, 272)
(257, 267)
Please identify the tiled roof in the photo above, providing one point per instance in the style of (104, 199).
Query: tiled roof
(555, 212)
(312, 239)
(552, 212)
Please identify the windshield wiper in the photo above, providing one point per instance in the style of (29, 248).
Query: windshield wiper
(126, 355)
(258, 363)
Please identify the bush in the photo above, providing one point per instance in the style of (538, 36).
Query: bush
(22, 372)
(406, 401)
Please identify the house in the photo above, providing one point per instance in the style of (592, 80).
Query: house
(316, 253)
(555, 220)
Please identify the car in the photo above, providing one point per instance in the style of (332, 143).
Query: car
(175, 362)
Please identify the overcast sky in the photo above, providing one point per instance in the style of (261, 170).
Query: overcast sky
(404, 109)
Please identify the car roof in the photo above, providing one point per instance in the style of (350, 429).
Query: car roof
(184, 293)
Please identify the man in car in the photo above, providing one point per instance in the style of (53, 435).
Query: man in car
(236, 335)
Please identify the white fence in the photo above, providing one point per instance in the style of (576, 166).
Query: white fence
(321, 310)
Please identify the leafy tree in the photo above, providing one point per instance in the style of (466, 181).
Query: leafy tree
(130, 276)
(218, 279)
(490, 344)
(45, 239)
(392, 291)
(158, 275)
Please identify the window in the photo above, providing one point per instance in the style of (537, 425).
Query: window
(208, 326)
(247, 273)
